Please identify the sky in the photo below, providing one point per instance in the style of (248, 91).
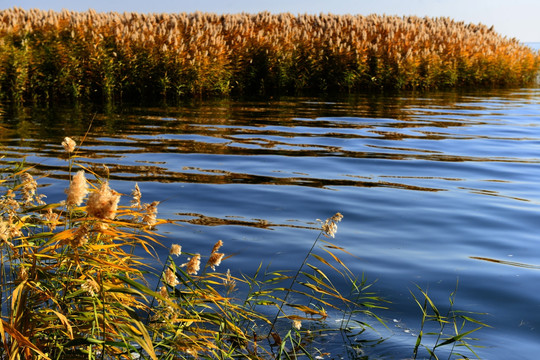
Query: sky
(511, 18)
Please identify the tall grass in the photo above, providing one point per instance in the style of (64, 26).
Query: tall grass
(78, 55)
(72, 285)
(437, 329)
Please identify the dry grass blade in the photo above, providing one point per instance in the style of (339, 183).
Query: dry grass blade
(21, 341)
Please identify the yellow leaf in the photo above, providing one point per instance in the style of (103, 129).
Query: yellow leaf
(65, 321)
(146, 342)
(21, 339)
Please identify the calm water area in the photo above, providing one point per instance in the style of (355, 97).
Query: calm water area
(435, 189)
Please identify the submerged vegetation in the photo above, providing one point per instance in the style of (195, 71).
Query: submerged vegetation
(76, 283)
(89, 55)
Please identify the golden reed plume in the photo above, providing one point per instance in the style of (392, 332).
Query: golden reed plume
(132, 54)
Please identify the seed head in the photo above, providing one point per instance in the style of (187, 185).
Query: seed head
(150, 213)
(170, 278)
(329, 227)
(229, 282)
(69, 144)
(22, 273)
(215, 260)
(52, 219)
(217, 246)
(14, 229)
(91, 287)
(29, 187)
(103, 203)
(136, 200)
(78, 189)
(193, 265)
(80, 237)
(4, 231)
(8, 203)
(176, 249)
(164, 292)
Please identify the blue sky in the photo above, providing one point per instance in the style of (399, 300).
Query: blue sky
(512, 18)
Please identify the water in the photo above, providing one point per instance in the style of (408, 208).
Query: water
(435, 189)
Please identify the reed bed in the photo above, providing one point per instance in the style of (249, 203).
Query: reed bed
(79, 55)
(75, 283)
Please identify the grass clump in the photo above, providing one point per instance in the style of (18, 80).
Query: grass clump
(75, 283)
(434, 324)
(88, 55)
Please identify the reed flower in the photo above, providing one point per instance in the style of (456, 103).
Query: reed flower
(22, 273)
(4, 231)
(52, 219)
(329, 226)
(176, 250)
(28, 190)
(14, 230)
(193, 265)
(136, 197)
(297, 324)
(107, 171)
(78, 189)
(80, 237)
(103, 203)
(150, 213)
(164, 293)
(170, 278)
(69, 144)
(217, 246)
(215, 260)
(8, 203)
(91, 287)
(229, 282)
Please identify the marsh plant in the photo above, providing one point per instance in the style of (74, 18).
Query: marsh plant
(79, 55)
(73, 287)
(451, 329)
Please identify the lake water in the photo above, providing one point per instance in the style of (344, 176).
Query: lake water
(434, 188)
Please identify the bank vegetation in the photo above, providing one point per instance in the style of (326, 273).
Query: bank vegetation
(48, 55)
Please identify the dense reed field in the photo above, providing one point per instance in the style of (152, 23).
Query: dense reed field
(78, 55)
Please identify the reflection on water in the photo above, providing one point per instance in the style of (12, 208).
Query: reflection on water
(200, 219)
(506, 262)
(429, 184)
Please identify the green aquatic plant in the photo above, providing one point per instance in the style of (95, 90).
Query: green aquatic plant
(431, 338)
